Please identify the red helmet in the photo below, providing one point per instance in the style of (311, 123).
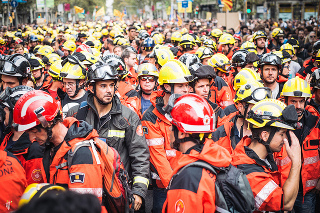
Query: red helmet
(34, 108)
(238, 37)
(83, 47)
(192, 114)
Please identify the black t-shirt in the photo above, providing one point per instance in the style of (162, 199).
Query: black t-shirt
(67, 103)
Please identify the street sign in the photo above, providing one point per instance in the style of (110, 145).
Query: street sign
(14, 3)
(184, 4)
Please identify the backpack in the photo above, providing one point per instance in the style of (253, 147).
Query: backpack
(117, 195)
(232, 189)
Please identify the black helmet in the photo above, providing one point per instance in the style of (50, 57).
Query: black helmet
(189, 59)
(18, 34)
(204, 72)
(101, 71)
(117, 63)
(239, 58)
(10, 96)
(270, 59)
(89, 43)
(316, 46)
(194, 67)
(315, 80)
(293, 42)
(15, 65)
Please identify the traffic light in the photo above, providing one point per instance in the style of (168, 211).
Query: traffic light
(248, 10)
(248, 6)
(197, 10)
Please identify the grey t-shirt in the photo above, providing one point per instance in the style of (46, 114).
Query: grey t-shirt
(275, 92)
(294, 68)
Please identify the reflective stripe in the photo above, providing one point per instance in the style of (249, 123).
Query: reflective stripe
(283, 162)
(155, 176)
(116, 133)
(140, 179)
(221, 210)
(311, 183)
(95, 191)
(171, 153)
(264, 193)
(155, 141)
(311, 160)
(225, 103)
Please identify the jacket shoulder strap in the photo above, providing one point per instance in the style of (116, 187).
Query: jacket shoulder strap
(82, 111)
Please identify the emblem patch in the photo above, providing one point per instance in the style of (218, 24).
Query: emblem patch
(77, 177)
(179, 206)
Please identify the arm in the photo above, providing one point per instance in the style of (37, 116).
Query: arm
(291, 186)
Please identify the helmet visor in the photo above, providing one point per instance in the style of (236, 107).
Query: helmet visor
(102, 73)
(261, 93)
(7, 67)
(272, 59)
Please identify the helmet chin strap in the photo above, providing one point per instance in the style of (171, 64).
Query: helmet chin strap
(78, 88)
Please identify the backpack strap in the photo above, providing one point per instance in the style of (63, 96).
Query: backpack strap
(82, 111)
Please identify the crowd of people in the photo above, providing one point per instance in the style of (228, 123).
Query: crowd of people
(195, 112)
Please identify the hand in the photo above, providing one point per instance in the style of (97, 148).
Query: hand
(137, 202)
(308, 78)
(293, 151)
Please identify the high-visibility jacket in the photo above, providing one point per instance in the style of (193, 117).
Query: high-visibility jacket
(12, 181)
(264, 181)
(220, 93)
(29, 154)
(125, 91)
(193, 190)
(157, 133)
(134, 103)
(307, 68)
(84, 175)
(309, 140)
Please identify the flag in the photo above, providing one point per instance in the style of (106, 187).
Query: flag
(179, 20)
(78, 9)
(116, 12)
(228, 4)
(66, 7)
(100, 12)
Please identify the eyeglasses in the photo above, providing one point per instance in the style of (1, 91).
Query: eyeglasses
(145, 78)
(69, 84)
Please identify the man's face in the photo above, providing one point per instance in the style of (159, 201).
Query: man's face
(281, 39)
(65, 52)
(261, 42)
(9, 81)
(244, 31)
(301, 34)
(202, 87)
(70, 86)
(205, 61)
(224, 48)
(82, 39)
(39, 135)
(34, 43)
(286, 68)
(131, 61)
(105, 90)
(298, 103)
(181, 89)
(250, 66)
(277, 141)
(132, 33)
(118, 51)
(269, 74)
(36, 73)
(312, 37)
(147, 83)
(241, 108)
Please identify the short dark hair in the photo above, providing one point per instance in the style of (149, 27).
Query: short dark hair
(132, 28)
(126, 53)
(256, 132)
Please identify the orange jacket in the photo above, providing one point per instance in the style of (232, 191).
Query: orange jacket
(29, 154)
(282, 79)
(84, 175)
(125, 91)
(263, 180)
(220, 93)
(131, 78)
(12, 181)
(189, 192)
(310, 168)
(134, 103)
(156, 130)
(308, 68)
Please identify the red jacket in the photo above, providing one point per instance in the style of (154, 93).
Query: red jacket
(85, 174)
(29, 154)
(156, 130)
(220, 93)
(125, 91)
(264, 181)
(12, 181)
(189, 192)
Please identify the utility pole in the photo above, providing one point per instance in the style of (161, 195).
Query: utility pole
(46, 11)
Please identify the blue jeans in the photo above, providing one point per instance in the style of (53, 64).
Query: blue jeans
(159, 197)
(309, 204)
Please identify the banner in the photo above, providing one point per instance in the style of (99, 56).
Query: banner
(78, 9)
(227, 3)
(100, 12)
(182, 10)
(116, 12)
(67, 7)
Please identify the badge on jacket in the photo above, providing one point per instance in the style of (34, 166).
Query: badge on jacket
(77, 177)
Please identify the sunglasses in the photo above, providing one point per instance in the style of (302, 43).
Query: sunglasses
(286, 67)
(145, 78)
(312, 36)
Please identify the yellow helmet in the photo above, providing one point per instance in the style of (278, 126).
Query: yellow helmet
(216, 33)
(36, 49)
(2, 41)
(250, 46)
(40, 37)
(45, 50)
(96, 52)
(296, 87)
(277, 32)
(174, 71)
(282, 57)
(158, 39)
(227, 39)
(148, 25)
(244, 76)
(184, 31)
(210, 43)
(269, 112)
(204, 52)
(36, 190)
(287, 47)
(187, 40)
(121, 41)
(318, 56)
(55, 69)
(69, 45)
(97, 45)
(252, 92)
(89, 58)
(72, 71)
(53, 57)
(176, 36)
(147, 69)
(105, 32)
(220, 62)
(162, 55)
